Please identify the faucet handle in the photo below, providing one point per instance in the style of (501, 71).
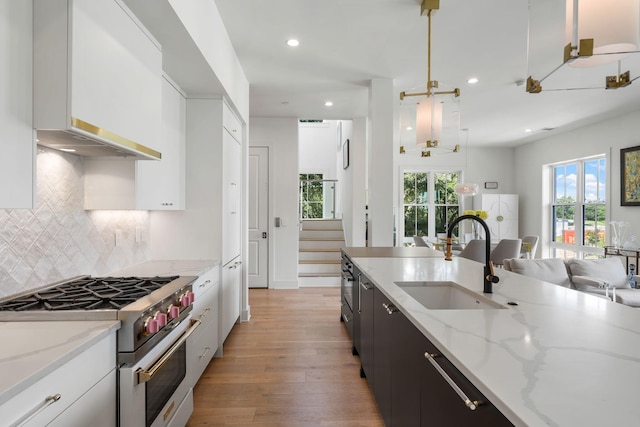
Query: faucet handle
(491, 277)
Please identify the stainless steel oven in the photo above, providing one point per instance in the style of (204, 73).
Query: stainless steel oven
(346, 302)
(155, 317)
(152, 390)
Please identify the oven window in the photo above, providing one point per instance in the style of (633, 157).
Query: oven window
(165, 381)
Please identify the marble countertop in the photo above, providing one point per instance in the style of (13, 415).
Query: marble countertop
(167, 268)
(559, 358)
(393, 252)
(31, 350)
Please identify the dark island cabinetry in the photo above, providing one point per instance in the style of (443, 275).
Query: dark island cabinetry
(414, 385)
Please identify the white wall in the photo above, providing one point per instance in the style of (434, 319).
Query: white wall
(281, 136)
(353, 183)
(606, 137)
(381, 181)
(318, 148)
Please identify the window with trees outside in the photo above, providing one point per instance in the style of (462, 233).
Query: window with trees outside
(311, 195)
(578, 208)
(430, 203)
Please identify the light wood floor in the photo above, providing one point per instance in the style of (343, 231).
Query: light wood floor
(291, 365)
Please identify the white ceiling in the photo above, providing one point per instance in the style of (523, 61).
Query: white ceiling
(346, 43)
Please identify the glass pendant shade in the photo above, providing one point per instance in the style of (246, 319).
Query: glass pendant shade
(463, 189)
(613, 26)
(428, 121)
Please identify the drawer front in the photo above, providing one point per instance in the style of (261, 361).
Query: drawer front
(200, 351)
(206, 281)
(202, 345)
(70, 382)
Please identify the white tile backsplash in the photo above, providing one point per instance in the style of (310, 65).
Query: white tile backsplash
(59, 239)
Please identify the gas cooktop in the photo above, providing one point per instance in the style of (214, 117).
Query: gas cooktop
(88, 293)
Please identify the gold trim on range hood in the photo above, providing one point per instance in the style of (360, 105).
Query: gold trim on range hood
(120, 140)
(88, 140)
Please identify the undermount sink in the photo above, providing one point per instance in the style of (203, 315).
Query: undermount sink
(445, 295)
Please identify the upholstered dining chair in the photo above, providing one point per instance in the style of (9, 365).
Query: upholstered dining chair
(529, 245)
(506, 249)
(475, 250)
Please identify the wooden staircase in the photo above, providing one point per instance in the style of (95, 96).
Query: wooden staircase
(319, 252)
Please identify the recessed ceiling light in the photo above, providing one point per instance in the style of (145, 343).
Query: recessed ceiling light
(409, 128)
(68, 150)
(472, 80)
(293, 42)
(328, 104)
(527, 130)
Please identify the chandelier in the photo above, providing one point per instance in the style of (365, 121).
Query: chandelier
(582, 44)
(432, 117)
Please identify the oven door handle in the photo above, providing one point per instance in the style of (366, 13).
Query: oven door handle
(144, 375)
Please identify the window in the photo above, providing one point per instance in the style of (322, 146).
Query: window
(429, 203)
(311, 195)
(578, 208)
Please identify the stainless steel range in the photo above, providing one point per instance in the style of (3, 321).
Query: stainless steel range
(155, 322)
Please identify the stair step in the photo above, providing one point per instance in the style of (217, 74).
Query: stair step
(319, 275)
(322, 239)
(315, 269)
(319, 261)
(322, 223)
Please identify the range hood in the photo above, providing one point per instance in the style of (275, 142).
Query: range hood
(87, 140)
(97, 89)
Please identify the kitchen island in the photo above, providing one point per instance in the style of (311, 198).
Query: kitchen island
(559, 357)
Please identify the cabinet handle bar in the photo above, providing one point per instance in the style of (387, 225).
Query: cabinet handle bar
(49, 400)
(471, 404)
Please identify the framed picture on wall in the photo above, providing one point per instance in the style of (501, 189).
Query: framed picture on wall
(345, 154)
(630, 176)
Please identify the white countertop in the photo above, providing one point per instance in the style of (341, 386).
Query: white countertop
(31, 350)
(167, 268)
(559, 358)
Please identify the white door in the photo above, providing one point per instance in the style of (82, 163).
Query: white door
(258, 250)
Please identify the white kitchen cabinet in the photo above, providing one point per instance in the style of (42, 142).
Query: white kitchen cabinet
(17, 162)
(503, 214)
(231, 123)
(160, 185)
(86, 381)
(232, 197)
(97, 70)
(230, 296)
(202, 345)
(144, 185)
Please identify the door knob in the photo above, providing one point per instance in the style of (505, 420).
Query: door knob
(264, 234)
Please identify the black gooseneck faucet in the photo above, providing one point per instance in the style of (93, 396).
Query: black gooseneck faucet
(489, 276)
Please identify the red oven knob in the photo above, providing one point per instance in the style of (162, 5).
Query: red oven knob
(162, 319)
(192, 297)
(151, 326)
(174, 311)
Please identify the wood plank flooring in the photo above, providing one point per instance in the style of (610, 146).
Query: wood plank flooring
(291, 365)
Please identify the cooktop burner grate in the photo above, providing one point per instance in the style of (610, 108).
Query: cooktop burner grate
(91, 293)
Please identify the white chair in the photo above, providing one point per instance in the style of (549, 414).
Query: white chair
(475, 250)
(529, 245)
(506, 249)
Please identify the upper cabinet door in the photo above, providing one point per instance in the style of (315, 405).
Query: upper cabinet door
(161, 185)
(17, 162)
(98, 70)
